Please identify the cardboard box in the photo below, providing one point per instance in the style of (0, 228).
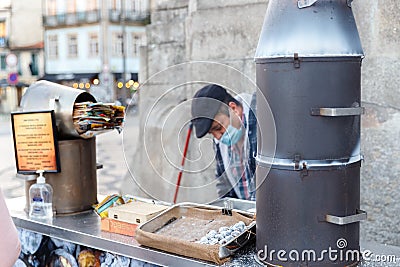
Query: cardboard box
(135, 212)
(118, 227)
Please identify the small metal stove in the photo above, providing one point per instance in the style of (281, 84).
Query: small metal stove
(75, 187)
(308, 67)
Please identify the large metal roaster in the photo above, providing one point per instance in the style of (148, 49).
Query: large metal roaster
(308, 67)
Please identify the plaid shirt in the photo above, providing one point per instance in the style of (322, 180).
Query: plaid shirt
(250, 166)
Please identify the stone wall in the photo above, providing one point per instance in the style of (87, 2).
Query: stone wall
(379, 27)
(185, 31)
(227, 32)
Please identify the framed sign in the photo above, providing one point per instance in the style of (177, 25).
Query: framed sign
(35, 141)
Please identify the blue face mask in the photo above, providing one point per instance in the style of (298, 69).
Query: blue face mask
(231, 136)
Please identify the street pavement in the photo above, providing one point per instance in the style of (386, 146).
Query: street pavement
(109, 154)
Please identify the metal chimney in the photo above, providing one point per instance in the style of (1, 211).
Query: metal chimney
(308, 67)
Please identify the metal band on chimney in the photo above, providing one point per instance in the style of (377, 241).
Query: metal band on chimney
(289, 164)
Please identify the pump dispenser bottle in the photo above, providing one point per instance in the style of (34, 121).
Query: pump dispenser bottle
(41, 199)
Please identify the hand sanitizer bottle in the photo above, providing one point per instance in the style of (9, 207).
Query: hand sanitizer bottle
(41, 199)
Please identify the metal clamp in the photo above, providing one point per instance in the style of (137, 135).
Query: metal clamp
(305, 3)
(359, 216)
(349, 3)
(356, 110)
(228, 206)
(296, 60)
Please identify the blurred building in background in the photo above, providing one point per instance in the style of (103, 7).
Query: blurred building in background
(94, 44)
(91, 45)
(21, 50)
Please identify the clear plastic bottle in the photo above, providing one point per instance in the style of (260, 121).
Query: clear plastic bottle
(41, 199)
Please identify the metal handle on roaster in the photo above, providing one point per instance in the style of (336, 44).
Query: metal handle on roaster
(359, 216)
(355, 110)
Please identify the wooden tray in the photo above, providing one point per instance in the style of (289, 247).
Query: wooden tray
(196, 221)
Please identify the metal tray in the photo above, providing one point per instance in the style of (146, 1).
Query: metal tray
(238, 242)
(225, 250)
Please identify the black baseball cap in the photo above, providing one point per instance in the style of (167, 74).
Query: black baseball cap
(205, 105)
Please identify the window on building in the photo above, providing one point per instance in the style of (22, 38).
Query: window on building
(116, 4)
(52, 46)
(117, 43)
(137, 40)
(33, 65)
(71, 6)
(137, 6)
(91, 5)
(51, 7)
(93, 44)
(72, 45)
(3, 65)
(3, 40)
(2, 28)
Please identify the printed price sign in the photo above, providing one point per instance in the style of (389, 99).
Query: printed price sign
(35, 142)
